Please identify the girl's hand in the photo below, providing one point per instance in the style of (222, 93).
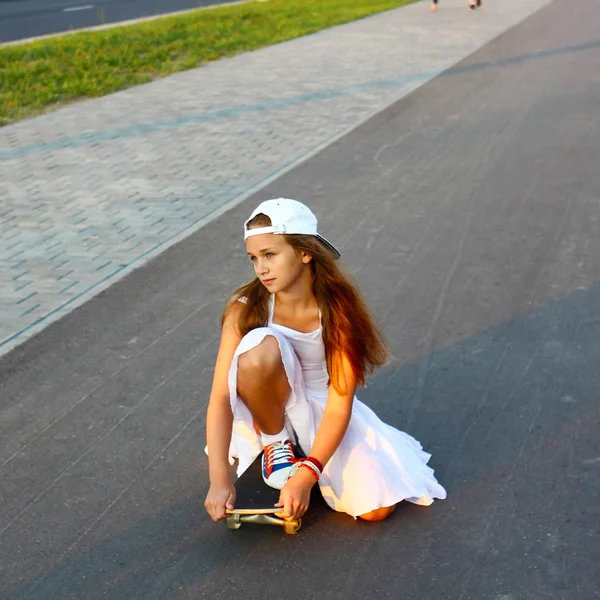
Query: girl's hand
(295, 495)
(220, 497)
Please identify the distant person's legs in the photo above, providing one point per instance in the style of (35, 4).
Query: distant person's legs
(473, 4)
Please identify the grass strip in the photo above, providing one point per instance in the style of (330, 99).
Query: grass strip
(50, 73)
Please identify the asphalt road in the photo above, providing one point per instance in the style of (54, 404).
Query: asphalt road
(469, 213)
(21, 19)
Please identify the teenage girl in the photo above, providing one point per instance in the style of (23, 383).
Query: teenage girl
(296, 342)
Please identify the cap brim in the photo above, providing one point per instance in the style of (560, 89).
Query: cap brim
(328, 245)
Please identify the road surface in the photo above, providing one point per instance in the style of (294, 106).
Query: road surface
(22, 19)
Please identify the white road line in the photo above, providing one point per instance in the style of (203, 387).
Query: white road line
(84, 7)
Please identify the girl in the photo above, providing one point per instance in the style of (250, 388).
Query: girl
(296, 341)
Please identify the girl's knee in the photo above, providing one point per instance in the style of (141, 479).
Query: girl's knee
(379, 514)
(265, 355)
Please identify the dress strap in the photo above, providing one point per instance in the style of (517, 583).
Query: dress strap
(271, 309)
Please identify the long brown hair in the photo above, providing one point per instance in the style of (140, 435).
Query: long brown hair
(348, 328)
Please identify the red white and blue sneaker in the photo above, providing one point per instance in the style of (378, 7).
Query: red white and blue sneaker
(277, 462)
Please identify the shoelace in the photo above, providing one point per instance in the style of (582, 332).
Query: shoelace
(279, 453)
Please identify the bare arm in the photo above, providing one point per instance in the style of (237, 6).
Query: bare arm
(219, 418)
(295, 495)
(219, 421)
(336, 417)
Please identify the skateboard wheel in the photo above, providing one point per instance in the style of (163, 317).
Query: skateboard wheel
(292, 527)
(233, 522)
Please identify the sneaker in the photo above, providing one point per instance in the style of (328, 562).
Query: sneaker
(277, 462)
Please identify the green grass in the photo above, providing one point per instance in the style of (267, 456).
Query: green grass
(50, 73)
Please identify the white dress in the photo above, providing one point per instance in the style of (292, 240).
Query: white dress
(375, 465)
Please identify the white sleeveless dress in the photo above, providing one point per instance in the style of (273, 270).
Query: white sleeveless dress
(375, 465)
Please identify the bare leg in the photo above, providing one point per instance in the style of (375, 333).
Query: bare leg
(263, 386)
(379, 514)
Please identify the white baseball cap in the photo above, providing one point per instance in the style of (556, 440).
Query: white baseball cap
(287, 216)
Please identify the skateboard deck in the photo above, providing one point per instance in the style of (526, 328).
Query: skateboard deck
(255, 502)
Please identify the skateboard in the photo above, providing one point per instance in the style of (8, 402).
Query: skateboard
(255, 502)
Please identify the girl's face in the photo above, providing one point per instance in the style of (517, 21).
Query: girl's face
(275, 262)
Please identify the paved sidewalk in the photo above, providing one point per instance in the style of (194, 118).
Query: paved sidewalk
(90, 192)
